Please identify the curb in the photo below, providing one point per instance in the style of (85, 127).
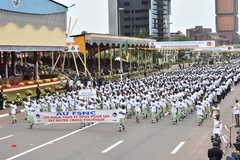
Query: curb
(8, 114)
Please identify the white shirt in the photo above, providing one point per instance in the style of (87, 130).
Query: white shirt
(123, 111)
(217, 128)
(13, 108)
(200, 109)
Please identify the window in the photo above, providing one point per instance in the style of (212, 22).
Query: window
(126, 11)
(145, 2)
(126, 3)
(127, 26)
(141, 18)
(142, 11)
(127, 19)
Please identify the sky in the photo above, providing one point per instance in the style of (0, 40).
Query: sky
(92, 15)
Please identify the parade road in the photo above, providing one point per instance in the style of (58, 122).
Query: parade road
(102, 141)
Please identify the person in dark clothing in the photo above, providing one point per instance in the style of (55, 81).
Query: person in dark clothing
(215, 153)
(38, 92)
(1, 99)
(145, 73)
(67, 86)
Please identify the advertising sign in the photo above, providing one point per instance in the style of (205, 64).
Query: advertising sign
(182, 44)
(87, 93)
(71, 48)
(83, 116)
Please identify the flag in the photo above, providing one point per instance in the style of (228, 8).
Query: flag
(125, 50)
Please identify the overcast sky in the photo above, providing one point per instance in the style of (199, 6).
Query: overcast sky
(92, 15)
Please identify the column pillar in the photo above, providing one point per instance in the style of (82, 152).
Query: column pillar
(60, 62)
(25, 58)
(13, 62)
(5, 65)
(35, 61)
(99, 61)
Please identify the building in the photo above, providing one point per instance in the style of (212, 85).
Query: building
(227, 20)
(29, 26)
(128, 17)
(198, 33)
(175, 35)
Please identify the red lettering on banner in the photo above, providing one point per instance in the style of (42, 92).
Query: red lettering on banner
(96, 116)
(51, 120)
(66, 116)
(106, 116)
(61, 120)
(45, 117)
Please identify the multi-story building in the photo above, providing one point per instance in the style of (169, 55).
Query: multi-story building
(175, 35)
(128, 17)
(227, 20)
(198, 33)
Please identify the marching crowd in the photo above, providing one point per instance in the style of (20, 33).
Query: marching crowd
(178, 92)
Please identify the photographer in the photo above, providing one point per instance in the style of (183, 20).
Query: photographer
(236, 112)
(215, 153)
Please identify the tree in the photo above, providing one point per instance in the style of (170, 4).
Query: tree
(142, 33)
(182, 38)
(84, 32)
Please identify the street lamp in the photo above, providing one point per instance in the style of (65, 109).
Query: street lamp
(119, 26)
(119, 34)
(72, 5)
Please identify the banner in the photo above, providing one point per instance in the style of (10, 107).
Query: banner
(87, 93)
(182, 44)
(83, 116)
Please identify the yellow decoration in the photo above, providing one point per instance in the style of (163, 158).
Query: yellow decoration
(30, 82)
(47, 80)
(21, 84)
(28, 92)
(8, 86)
(39, 81)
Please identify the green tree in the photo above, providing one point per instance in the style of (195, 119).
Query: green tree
(142, 33)
(84, 32)
(182, 38)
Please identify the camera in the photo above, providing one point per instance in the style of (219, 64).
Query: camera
(216, 139)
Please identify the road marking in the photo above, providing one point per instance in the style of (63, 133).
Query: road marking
(4, 115)
(177, 148)
(50, 142)
(47, 124)
(111, 147)
(226, 128)
(224, 139)
(166, 114)
(6, 137)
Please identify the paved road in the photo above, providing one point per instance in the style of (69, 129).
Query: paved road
(140, 141)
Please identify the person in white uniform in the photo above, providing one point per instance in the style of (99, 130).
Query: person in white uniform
(13, 107)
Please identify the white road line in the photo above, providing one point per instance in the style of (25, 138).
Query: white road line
(50, 142)
(4, 115)
(6, 137)
(166, 114)
(226, 128)
(177, 148)
(224, 139)
(46, 124)
(111, 147)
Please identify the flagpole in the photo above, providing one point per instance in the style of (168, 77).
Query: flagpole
(130, 52)
(121, 67)
(110, 56)
(145, 57)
